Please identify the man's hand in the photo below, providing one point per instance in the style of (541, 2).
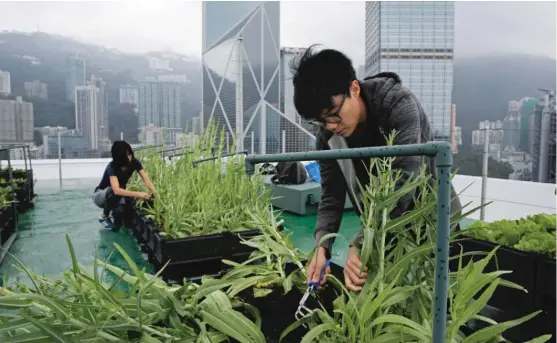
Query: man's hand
(144, 196)
(318, 262)
(352, 276)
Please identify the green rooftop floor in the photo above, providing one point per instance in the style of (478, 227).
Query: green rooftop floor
(41, 244)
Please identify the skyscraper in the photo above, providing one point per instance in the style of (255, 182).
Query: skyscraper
(88, 114)
(75, 75)
(102, 110)
(416, 41)
(241, 71)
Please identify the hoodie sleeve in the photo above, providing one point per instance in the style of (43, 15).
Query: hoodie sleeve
(333, 196)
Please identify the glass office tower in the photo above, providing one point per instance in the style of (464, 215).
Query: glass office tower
(415, 39)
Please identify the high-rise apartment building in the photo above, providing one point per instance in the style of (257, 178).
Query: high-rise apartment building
(129, 94)
(75, 75)
(241, 72)
(102, 111)
(171, 109)
(160, 104)
(149, 102)
(415, 39)
(5, 82)
(88, 114)
(36, 89)
(16, 121)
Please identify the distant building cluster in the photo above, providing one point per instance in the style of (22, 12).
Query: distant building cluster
(525, 138)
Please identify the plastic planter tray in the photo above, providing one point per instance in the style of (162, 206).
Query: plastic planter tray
(523, 267)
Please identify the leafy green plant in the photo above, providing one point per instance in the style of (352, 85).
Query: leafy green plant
(534, 233)
(207, 198)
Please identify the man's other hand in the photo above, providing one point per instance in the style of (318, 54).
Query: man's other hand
(353, 279)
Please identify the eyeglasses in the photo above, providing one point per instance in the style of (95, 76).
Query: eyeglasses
(331, 118)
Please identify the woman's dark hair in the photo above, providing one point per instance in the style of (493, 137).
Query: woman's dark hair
(120, 151)
(317, 77)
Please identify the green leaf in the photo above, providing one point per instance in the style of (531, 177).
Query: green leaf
(541, 339)
(318, 331)
(14, 301)
(296, 324)
(14, 324)
(418, 331)
(53, 333)
(233, 324)
(489, 332)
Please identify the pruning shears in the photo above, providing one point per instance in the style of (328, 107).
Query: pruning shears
(302, 310)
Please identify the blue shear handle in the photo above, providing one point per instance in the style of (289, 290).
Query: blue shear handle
(313, 285)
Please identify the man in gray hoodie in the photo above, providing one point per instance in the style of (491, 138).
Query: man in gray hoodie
(354, 114)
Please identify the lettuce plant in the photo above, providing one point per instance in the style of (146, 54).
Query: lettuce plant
(534, 233)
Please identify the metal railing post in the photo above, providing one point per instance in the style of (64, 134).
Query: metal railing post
(443, 155)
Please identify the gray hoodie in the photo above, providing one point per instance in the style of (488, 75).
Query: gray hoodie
(390, 106)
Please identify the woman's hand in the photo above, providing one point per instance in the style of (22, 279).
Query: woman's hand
(142, 195)
(353, 279)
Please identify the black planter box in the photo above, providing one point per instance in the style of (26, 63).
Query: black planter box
(199, 247)
(7, 223)
(523, 267)
(190, 257)
(195, 269)
(545, 295)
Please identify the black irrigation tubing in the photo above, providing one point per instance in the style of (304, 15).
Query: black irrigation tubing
(194, 163)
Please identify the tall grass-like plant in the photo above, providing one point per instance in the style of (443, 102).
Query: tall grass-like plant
(82, 307)
(397, 301)
(210, 197)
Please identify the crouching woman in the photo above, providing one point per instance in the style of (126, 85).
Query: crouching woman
(111, 192)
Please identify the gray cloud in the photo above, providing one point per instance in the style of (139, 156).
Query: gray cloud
(139, 26)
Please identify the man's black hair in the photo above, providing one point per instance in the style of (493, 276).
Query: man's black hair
(120, 151)
(317, 77)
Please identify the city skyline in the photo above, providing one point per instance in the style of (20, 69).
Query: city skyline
(480, 27)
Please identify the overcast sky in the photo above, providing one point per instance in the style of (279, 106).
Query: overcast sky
(143, 25)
